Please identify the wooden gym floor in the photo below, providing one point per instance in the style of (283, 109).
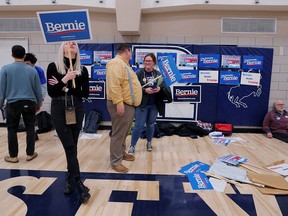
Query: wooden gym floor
(153, 185)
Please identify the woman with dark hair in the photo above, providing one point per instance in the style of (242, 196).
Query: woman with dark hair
(61, 79)
(152, 102)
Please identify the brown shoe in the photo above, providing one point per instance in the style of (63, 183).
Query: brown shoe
(31, 157)
(120, 168)
(128, 157)
(11, 159)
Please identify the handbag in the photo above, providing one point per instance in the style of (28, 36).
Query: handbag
(70, 113)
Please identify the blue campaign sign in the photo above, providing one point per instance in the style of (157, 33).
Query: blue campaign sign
(99, 72)
(252, 62)
(194, 167)
(229, 77)
(169, 70)
(86, 57)
(58, 26)
(199, 181)
(96, 89)
(209, 61)
(189, 76)
(163, 55)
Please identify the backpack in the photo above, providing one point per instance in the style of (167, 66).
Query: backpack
(157, 133)
(167, 129)
(44, 122)
(194, 128)
(187, 129)
(92, 122)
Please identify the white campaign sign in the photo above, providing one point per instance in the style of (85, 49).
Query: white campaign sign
(252, 79)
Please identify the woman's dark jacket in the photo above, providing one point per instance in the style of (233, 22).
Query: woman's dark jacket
(164, 95)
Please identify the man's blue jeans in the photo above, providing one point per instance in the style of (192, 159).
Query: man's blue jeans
(144, 115)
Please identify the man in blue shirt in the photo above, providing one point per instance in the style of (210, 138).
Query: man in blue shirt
(20, 86)
(31, 60)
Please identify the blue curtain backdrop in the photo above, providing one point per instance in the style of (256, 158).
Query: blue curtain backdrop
(241, 105)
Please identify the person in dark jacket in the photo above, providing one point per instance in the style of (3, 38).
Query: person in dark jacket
(67, 85)
(154, 94)
(275, 123)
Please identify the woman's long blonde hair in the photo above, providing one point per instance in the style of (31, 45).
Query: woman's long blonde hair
(60, 64)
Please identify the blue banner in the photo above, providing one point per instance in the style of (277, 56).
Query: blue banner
(58, 26)
(199, 181)
(86, 57)
(96, 89)
(229, 77)
(189, 76)
(252, 62)
(189, 93)
(169, 70)
(99, 72)
(161, 56)
(209, 61)
(194, 167)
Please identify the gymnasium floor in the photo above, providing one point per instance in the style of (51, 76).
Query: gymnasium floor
(153, 186)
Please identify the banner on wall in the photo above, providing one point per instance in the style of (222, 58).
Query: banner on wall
(139, 58)
(252, 62)
(70, 25)
(229, 77)
(189, 61)
(252, 79)
(163, 55)
(189, 76)
(99, 72)
(208, 76)
(231, 61)
(211, 61)
(102, 57)
(96, 89)
(86, 57)
(191, 93)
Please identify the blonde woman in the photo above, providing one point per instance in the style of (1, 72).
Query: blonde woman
(60, 88)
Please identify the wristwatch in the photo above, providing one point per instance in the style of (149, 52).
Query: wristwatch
(65, 89)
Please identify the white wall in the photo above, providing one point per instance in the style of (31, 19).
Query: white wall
(183, 27)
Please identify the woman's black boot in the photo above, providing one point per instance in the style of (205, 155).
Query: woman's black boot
(83, 191)
(70, 184)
